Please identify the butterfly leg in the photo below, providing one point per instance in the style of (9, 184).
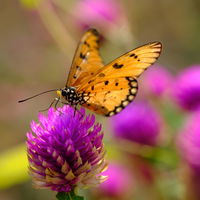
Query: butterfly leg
(55, 106)
(75, 109)
(57, 100)
(73, 106)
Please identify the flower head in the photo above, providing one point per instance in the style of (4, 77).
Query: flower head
(97, 13)
(157, 80)
(188, 141)
(138, 122)
(119, 181)
(187, 88)
(65, 150)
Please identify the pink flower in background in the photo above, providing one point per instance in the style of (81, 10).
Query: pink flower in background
(100, 14)
(119, 181)
(157, 80)
(188, 141)
(139, 122)
(186, 89)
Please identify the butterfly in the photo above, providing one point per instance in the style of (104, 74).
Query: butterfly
(105, 89)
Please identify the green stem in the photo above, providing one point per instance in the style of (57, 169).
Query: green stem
(56, 27)
(68, 196)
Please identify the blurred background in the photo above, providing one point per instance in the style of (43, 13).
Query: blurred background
(160, 151)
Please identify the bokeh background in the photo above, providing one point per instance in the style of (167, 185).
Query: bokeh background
(37, 43)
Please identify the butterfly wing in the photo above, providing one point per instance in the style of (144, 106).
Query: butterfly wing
(131, 64)
(87, 60)
(115, 85)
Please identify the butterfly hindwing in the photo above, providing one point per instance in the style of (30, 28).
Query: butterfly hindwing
(111, 96)
(87, 60)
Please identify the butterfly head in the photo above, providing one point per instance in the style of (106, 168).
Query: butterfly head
(70, 95)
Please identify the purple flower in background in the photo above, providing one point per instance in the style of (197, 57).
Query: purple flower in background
(157, 80)
(188, 141)
(97, 13)
(187, 88)
(119, 181)
(65, 151)
(139, 122)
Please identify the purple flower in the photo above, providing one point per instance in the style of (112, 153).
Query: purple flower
(157, 80)
(97, 13)
(139, 122)
(65, 150)
(187, 88)
(119, 181)
(188, 141)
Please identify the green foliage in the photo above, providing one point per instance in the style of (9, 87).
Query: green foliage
(30, 4)
(68, 196)
(13, 166)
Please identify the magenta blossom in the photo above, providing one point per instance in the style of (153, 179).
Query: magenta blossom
(139, 122)
(65, 150)
(188, 141)
(187, 88)
(97, 13)
(119, 181)
(157, 80)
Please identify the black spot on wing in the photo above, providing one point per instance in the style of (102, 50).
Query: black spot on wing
(132, 55)
(106, 82)
(87, 44)
(101, 75)
(94, 31)
(90, 81)
(78, 68)
(118, 66)
(82, 56)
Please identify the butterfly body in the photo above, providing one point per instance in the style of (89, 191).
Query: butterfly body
(70, 96)
(105, 89)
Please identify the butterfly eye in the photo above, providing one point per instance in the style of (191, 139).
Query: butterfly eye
(64, 93)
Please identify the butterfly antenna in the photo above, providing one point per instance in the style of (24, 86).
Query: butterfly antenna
(36, 95)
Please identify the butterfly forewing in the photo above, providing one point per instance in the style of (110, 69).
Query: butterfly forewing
(131, 64)
(87, 60)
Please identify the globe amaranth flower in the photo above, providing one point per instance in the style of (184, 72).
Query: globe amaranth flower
(188, 141)
(119, 181)
(65, 150)
(157, 80)
(187, 88)
(97, 13)
(139, 122)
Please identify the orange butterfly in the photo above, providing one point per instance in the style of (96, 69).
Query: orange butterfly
(105, 89)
